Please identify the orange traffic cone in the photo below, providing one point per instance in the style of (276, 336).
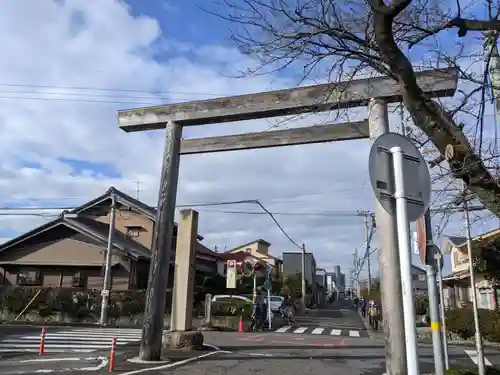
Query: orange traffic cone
(241, 328)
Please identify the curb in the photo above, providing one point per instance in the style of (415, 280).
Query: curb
(70, 324)
(462, 343)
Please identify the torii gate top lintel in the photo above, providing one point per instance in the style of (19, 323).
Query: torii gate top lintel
(324, 97)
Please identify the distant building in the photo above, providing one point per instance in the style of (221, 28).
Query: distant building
(292, 264)
(419, 281)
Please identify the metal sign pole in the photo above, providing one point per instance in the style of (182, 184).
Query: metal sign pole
(269, 318)
(404, 240)
(439, 260)
(479, 339)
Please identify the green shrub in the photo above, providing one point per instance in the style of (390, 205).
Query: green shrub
(467, 371)
(421, 305)
(461, 322)
(233, 307)
(76, 304)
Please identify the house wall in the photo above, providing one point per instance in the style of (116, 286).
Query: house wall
(419, 281)
(255, 248)
(459, 260)
(458, 296)
(75, 249)
(62, 277)
(125, 218)
(59, 254)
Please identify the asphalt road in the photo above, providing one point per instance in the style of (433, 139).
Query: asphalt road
(303, 352)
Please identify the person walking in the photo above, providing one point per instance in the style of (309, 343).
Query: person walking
(374, 313)
(364, 305)
(256, 314)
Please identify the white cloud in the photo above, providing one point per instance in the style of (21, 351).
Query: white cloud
(76, 44)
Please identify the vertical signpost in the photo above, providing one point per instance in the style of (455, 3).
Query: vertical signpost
(426, 251)
(231, 274)
(268, 287)
(401, 183)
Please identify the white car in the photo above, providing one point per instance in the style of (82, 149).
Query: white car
(276, 302)
(227, 297)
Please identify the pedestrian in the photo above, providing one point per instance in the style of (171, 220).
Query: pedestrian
(369, 306)
(256, 313)
(374, 313)
(364, 305)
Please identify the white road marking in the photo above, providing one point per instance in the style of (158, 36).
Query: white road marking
(50, 360)
(300, 330)
(473, 356)
(78, 340)
(71, 338)
(283, 329)
(336, 332)
(354, 333)
(317, 331)
(170, 365)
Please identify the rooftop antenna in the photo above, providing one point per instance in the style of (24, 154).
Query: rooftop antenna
(137, 189)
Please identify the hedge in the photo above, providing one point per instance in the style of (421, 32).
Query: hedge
(72, 303)
(461, 322)
(467, 371)
(85, 305)
(232, 308)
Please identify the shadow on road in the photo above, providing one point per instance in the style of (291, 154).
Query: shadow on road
(295, 355)
(298, 346)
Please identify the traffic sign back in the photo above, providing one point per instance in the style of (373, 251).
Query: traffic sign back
(416, 175)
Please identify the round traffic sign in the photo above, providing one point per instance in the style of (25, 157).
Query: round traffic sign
(417, 180)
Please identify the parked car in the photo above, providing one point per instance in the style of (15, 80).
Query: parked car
(227, 297)
(276, 302)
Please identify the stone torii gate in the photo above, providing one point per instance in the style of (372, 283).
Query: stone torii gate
(318, 98)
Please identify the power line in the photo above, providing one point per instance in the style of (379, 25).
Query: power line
(251, 201)
(93, 88)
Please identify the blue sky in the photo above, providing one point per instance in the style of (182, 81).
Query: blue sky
(161, 52)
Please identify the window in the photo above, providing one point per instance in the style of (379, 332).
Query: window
(248, 250)
(421, 277)
(29, 277)
(78, 280)
(133, 231)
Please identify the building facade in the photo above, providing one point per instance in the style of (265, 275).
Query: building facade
(70, 251)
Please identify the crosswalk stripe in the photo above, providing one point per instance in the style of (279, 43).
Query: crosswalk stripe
(473, 356)
(335, 332)
(354, 333)
(69, 338)
(92, 335)
(66, 340)
(283, 329)
(47, 346)
(300, 330)
(24, 350)
(318, 331)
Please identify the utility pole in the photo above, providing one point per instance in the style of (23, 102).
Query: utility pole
(369, 229)
(479, 339)
(107, 270)
(356, 272)
(390, 275)
(303, 279)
